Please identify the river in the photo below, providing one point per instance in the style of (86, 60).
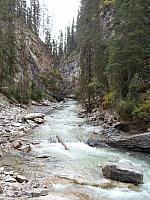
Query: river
(78, 171)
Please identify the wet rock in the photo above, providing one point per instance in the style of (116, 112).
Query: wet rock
(35, 103)
(93, 142)
(25, 149)
(37, 192)
(31, 123)
(10, 179)
(1, 154)
(39, 120)
(2, 169)
(1, 190)
(123, 173)
(16, 144)
(35, 142)
(32, 116)
(46, 103)
(138, 142)
(43, 156)
(16, 124)
(21, 179)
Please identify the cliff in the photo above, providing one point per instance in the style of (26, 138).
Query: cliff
(35, 76)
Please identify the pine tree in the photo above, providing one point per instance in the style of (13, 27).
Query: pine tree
(60, 51)
(129, 49)
(35, 8)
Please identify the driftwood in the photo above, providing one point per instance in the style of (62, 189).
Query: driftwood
(60, 141)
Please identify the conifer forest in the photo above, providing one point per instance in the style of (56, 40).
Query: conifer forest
(74, 99)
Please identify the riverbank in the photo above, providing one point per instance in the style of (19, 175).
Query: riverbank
(12, 123)
(132, 135)
(50, 170)
(13, 130)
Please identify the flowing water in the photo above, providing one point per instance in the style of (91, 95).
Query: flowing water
(82, 164)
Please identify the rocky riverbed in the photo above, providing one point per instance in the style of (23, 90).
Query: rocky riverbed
(17, 121)
(34, 165)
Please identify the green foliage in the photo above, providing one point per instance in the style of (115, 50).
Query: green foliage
(107, 2)
(142, 107)
(109, 99)
(125, 109)
(142, 110)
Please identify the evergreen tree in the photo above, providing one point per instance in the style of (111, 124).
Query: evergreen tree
(129, 49)
(35, 8)
(61, 51)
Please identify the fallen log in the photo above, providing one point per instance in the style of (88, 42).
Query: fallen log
(60, 141)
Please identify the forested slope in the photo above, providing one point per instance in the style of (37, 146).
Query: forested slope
(26, 63)
(114, 43)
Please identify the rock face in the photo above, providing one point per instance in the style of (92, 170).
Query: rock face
(122, 173)
(138, 142)
(70, 70)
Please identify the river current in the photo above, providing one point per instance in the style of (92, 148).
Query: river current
(82, 164)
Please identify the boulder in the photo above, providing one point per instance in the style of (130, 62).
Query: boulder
(93, 142)
(39, 120)
(31, 123)
(32, 116)
(17, 144)
(25, 149)
(21, 179)
(122, 172)
(138, 142)
(37, 193)
(46, 103)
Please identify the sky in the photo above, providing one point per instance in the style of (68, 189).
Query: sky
(62, 13)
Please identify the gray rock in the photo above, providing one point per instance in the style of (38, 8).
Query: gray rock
(39, 120)
(37, 192)
(1, 190)
(26, 149)
(21, 179)
(32, 116)
(123, 173)
(10, 179)
(138, 142)
(16, 124)
(93, 142)
(16, 144)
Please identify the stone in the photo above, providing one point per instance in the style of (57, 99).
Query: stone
(39, 120)
(93, 142)
(1, 154)
(25, 149)
(1, 190)
(31, 123)
(32, 116)
(43, 156)
(35, 142)
(35, 103)
(38, 192)
(137, 142)
(2, 169)
(16, 124)
(10, 179)
(46, 103)
(21, 179)
(16, 144)
(122, 172)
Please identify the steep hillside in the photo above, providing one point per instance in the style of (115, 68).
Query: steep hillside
(35, 76)
(113, 41)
